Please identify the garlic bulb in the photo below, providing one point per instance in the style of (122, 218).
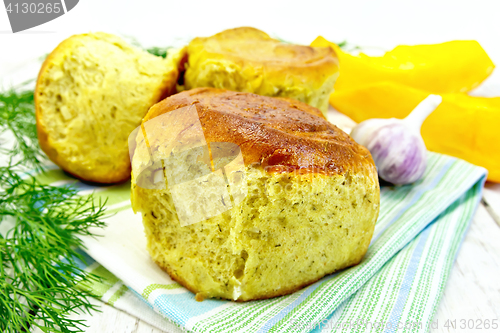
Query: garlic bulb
(396, 144)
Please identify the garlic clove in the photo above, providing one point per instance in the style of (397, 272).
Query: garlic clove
(396, 145)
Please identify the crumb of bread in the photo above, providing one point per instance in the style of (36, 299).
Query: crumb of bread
(289, 231)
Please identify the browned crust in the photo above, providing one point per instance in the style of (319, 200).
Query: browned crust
(281, 292)
(167, 89)
(314, 63)
(280, 134)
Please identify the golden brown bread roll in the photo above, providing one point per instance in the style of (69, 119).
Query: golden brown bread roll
(92, 91)
(310, 203)
(247, 59)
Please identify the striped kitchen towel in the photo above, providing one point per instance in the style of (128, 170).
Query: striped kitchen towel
(396, 287)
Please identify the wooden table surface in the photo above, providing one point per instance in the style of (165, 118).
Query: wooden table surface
(472, 291)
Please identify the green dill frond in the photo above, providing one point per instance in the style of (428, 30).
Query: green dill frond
(342, 44)
(38, 271)
(40, 280)
(158, 51)
(17, 116)
(155, 50)
(346, 46)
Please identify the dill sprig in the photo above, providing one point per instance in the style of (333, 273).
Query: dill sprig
(40, 280)
(158, 51)
(39, 273)
(346, 46)
(17, 116)
(155, 50)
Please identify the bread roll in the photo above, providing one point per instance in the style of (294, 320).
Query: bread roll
(247, 59)
(306, 207)
(92, 91)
